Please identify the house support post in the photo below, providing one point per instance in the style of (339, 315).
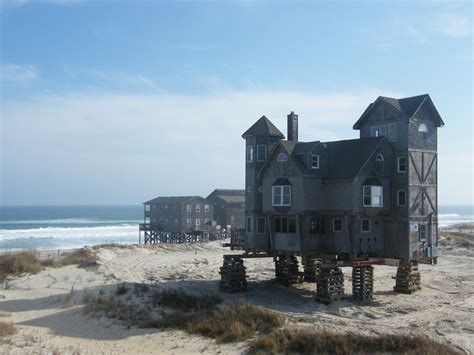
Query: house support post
(233, 276)
(363, 282)
(408, 279)
(286, 270)
(311, 269)
(330, 285)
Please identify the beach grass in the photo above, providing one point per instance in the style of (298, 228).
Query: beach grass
(19, 263)
(290, 341)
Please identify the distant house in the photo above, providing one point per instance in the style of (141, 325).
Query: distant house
(178, 214)
(229, 208)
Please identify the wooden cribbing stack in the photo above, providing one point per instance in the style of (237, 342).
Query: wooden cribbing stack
(286, 270)
(233, 276)
(408, 279)
(330, 285)
(363, 282)
(312, 268)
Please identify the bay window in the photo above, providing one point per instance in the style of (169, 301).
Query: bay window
(372, 196)
(281, 195)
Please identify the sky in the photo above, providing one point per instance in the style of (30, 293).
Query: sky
(117, 102)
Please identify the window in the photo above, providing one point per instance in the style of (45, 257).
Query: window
(315, 162)
(282, 157)
(401, 198)
(423, 232)
(281, 195)
(189, 222)
(317, 226)
(250, 153)
(188, 208)
(383, 132)
(402, 164)
(365, 225)
(337, 225)
(261, 152)
(161, 207)
(176, 221)
(260, 225)
(374, 131)
(198, 208)
(206, 208)
(392, 132)
(206, 221)
(372, 196)
(285, 225)
(198, 222)
(379, 163)
(176, 208)
(423, 128)
(249, 224)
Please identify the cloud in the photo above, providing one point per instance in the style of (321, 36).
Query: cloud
(18, 73)
(117, 148)
(455, 25)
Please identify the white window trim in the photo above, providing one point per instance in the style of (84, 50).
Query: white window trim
(398, 165)
(189, 222)
(362, 225)
(317, 165)
(189, 208)
(334, 225)
(281, 204)
(282, 155)
(264, 226)
(398, 198)
(198, 222)
(250, 154)
(198, 208)
(371, 205)
(206, 208)
(376, 129)
(265, 155)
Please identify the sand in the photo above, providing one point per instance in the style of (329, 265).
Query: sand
(47, 322)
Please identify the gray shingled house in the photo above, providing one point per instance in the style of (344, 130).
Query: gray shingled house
(177, 219)
(354, 203)
(229, 208)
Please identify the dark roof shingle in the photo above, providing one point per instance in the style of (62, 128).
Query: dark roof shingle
(263, 127)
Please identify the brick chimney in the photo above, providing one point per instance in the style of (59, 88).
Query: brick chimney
(292, 127)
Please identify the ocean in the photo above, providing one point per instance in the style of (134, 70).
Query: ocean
(69, 227)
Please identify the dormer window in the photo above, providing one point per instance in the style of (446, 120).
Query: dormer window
(282, 157)
(315, 161)
(423, 128)
(372, 196)
(281, 195)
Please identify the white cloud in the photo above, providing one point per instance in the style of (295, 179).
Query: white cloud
(455, 25)
(110, 148)
(18, 73)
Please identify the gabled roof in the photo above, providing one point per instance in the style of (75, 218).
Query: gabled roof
(229, 195)
(407, 107)
(263, 127)
(171, 200)
(346, 158)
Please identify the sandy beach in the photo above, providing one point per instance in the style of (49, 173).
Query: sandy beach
(47, 308)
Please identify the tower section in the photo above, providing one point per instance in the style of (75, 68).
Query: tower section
(260, 139)
(410, 125)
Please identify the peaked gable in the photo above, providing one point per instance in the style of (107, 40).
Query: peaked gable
(406, 107)
(263, 127)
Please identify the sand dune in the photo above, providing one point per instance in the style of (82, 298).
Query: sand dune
(40, 305)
